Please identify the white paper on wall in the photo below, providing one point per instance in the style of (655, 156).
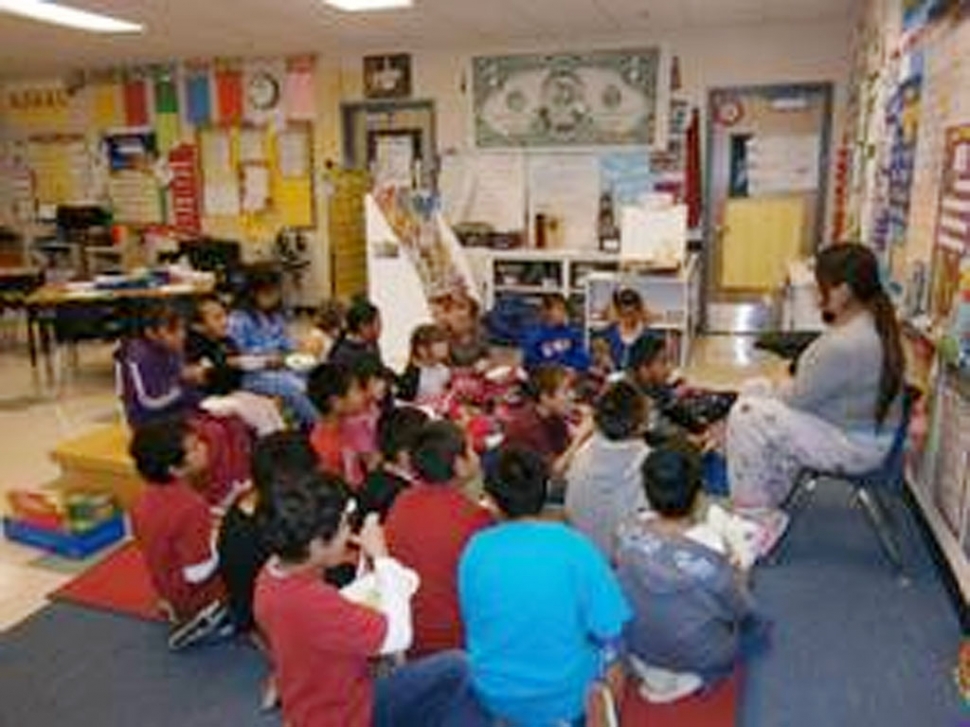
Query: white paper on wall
(783, 164)
(488, 187)
(566, 188)
(394, 161)
(657, 235)
(256, 188)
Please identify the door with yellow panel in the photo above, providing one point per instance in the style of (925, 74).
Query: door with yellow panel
(767, 167)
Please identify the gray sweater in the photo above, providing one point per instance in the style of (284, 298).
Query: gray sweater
(604, 488)
(838, 378)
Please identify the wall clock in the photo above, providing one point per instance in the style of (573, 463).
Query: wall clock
(728, 111)
(263, 91)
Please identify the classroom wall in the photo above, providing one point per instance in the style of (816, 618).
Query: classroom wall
(709, 58)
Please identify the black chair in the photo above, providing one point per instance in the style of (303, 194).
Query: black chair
(868, 490)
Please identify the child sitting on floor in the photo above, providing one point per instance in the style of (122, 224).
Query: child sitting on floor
(259, 330)
(679, 411)
(397, 430)
(337, 395)
(631, 320)
(425, 380)
(603, 482)
(543, 612)
(359, 428)
(209, 346)
(322, 640)
(361, 336)
(174, 529)
(428, 526)
(154, 381)
(555, 340)
(695, 618)
(327, 329)
(467, 342)
(541, 423)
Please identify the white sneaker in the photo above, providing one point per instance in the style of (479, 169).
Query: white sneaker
(660, 686)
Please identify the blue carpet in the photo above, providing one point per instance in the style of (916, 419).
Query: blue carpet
(851, 649)
(851, 646)
(71, 666)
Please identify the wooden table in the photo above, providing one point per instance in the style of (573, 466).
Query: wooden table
(59, 314)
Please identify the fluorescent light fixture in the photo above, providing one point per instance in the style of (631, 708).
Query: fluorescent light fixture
(49, 12)
(363, 6)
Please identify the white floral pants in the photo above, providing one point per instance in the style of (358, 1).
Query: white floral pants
(769, 443)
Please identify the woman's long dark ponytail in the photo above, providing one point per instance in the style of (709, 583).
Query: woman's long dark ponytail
(857, 266)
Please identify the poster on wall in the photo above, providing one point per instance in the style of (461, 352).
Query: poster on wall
(182, 161)
(387, 76)
(134, 149)
(953, 220)
(582, 99)
(903, 124)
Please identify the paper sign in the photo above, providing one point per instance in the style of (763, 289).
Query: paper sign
(293, 153)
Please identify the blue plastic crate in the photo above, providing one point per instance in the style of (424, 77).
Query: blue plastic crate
(69, 545)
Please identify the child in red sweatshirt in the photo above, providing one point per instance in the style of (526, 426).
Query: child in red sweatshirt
(175, 530)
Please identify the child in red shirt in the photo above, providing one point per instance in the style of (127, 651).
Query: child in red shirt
(174, 529)
(338, 396)
(542, 422)
(322, 639)
(427, 529)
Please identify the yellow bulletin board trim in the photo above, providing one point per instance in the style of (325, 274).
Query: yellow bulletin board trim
(288, 157)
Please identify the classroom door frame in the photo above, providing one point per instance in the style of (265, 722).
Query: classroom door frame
(425, 132)
(713, 230)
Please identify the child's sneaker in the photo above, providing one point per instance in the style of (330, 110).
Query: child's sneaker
(660, 686)
(211, 623)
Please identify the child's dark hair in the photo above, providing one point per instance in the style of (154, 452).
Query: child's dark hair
(436, 449)
(398, 429)
(158, 447)
(258, 280)
(201, 303)
(545, 380)
(427, 335)
(621, 412)
(160, 317)
(281, 457)
(627, 298)
(360, 314)
(326, 382)
(551, 301)
(645, 351)
(368, 368)
(311, 507)
(518, 482)
(330, 316)
(672, 480)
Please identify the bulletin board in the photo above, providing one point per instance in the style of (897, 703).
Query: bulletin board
(61, 168)
(259, 175)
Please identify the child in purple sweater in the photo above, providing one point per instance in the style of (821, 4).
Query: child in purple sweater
(153, 380)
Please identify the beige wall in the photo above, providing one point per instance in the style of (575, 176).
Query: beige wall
(752, 54)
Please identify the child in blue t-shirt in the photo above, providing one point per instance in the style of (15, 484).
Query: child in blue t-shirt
(555, 340)
(259, 330)
(542, 631)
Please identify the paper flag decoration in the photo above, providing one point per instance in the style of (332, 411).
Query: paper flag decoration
(299, 92)
(166, 94)
(106, 105)
(168, 131)
(229, 95)
(198, 99)
(136, 102)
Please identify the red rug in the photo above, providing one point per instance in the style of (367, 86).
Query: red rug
(713, 709)
(119, 584)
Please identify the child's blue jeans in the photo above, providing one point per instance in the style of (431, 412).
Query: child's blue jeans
(289, 387)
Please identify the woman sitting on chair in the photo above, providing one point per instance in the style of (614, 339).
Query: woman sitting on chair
(842, 409)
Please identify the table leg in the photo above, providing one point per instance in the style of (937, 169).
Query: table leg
(32, 335)
(46, 333)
